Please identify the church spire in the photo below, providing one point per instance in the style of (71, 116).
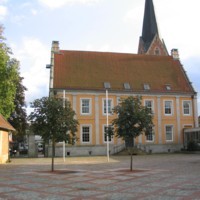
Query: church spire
(150, 28)
(150, 42)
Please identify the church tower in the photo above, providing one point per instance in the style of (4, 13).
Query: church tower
(150, 42)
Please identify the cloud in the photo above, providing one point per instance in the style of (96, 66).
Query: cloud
(132, 15)
(52, 4)
(179, 30)
(33, 56)
(3, 12)
(34, 12)
(18, 19)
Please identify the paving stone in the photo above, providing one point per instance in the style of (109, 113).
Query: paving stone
(170, 176)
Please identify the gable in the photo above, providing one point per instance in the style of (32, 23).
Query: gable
(83, 70)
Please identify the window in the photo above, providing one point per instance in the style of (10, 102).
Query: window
(86, 134)
(149, 105)
(127, 86)
(186, 107)
(107, 85)
(118, 100)
(157, 51)
(168, 87)
(105, 134)
(169, 133)
(85, 106)
(150, 136)
(109, 106)
(146, 86)
(168, 107)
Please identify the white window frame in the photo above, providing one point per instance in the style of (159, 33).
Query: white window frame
(118, 100)
(90, 107)
(103, 130)
(153, 136)
(104, 106)
(190, 107)
(152, 104)
(172, 133)
(90, 133)
(172, 108)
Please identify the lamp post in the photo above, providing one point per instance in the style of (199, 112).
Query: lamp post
(107, 137)
(63, 140)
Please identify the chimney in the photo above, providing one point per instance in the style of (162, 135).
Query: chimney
(55, 46)
(175, 54)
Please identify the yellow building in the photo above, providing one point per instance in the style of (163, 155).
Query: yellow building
(82, 77)
(5, 129)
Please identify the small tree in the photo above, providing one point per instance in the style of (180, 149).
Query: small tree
(53, 121)
(133, 120)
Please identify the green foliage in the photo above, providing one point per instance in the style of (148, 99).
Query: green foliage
(133, 118)
(9, 77)
(18, 118)
(53, 121)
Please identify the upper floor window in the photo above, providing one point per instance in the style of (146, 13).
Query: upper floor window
(187, 107)
(109, 106)
(168, 108)
(85, 106)
(149, 105)
(169, 133)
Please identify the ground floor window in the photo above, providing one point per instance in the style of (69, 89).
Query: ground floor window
(86, 134)
(150, 136)
(169, 132)
(105, 134)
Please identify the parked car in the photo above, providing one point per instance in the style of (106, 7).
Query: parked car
(40, 147)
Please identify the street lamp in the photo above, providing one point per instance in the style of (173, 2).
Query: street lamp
(107, 124)
(63, 140)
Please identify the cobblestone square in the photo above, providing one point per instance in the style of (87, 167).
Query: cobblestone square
(166, 176)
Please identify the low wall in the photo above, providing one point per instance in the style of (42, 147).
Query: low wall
(99, 150)
(160, 148)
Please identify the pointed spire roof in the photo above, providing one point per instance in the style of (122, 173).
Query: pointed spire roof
(150, 42)
(150, 28)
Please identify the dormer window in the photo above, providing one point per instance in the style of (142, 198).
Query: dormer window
(107, 85)
(146, 86)
(168, 87)
(127, 86)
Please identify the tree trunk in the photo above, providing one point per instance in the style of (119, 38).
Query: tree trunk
(53, 154)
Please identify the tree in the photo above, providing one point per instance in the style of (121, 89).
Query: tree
(53, 121)
(133, 120)
(9, 76)
(18, 117)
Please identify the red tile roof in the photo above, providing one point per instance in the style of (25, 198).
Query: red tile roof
(5, 125)
(84, 70)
